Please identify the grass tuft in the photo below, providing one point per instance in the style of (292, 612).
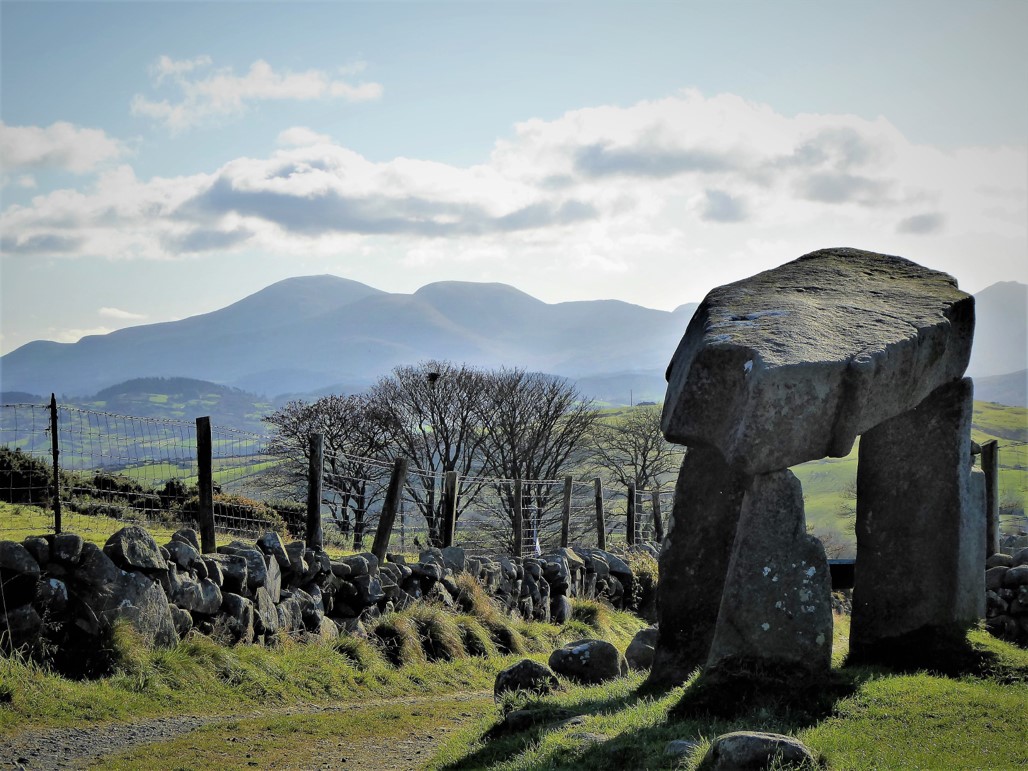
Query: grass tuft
(440, 637)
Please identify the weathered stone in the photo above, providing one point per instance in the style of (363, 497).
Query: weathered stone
(185, 556)
(95, 569)
(133, 548)
(39, 548)
(256, 568)
(693, 563)
(794, 363)
(340, 569)
(560, 609)
(214, 571)
(454, 558)
(273, 580)
(526, 675)
(132, 597)
(994, 577)
(21, 626)
(913, 487)
(1020, 557)
(427, 571)
(1016, 576)
(639, 653)
(234, 571)
(588, 661)
(197, 596)
(777, 601)
(265, 620)
(271, 544)
(182, 620)
(680, 748)
(369, 589)
(238, 611)
(187, 536)
(66, 548)
(290, 615)
(18, 575)
(296, 550)
(999, 559)
(311, 610)
(755, 751)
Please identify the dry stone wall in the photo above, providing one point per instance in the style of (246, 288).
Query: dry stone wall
(1006, 596)
(68, 593)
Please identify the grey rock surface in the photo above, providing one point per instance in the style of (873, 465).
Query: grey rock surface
(755, 750)
(526, 675)
(777, 600)
(639, 653)
(794, 363)
(588, 661)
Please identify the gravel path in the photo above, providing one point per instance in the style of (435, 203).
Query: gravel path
(75, 748)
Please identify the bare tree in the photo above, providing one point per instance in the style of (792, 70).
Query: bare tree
(535, 430)
(630, 447)
(355, 446)
(430, 414)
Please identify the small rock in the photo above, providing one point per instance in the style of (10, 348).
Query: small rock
(639, 653)
(754, 750)
(680, 748)
(526, 675)
(588, 661)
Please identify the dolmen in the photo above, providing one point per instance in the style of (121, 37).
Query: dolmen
(792, 365)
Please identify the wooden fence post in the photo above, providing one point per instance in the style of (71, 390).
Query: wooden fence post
(565, 512)
(658, 523)
(518, 520)
(315, 466)
(392, 503)
(449, 522)
(205, 484)
(55, 451)
(630, 516)
(990, 465)
(601, 528)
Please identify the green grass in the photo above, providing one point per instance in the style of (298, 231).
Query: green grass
(880, 720)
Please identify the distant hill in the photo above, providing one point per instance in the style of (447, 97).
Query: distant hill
(1010, 389)
(306, 334)
(1001, 330)
(318, 334)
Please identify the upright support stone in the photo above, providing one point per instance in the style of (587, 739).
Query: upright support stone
(658, 523)
(693, 563)
(920, 573)
(776, 608)
(990, 466)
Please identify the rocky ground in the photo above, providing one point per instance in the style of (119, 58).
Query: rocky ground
(94, 746)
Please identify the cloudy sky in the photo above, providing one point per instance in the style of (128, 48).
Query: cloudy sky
(165, 159)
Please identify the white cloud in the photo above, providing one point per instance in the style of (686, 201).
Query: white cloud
(299, 136)
(117, 313)
(222, 93)
(60, 145)
(705, 187)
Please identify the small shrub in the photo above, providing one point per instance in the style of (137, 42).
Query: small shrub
(23, 479)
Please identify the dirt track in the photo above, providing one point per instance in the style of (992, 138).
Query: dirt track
(74, 748)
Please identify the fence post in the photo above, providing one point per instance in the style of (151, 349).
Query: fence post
(55, 450)
(990, 465)
(565, 512)
(630, 523)
(601, 527)
(205, 484)
(449, 522)
(658, 524)
(392, 502)
(518, 520)
(315, 466)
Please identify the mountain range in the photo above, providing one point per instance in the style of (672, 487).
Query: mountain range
(319, 334)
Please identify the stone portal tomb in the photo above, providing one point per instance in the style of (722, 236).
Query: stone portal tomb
(792, 365)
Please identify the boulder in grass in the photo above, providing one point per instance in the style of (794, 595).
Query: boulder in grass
(588, 661)
(527, 675)
(639, 653)
(754, 751)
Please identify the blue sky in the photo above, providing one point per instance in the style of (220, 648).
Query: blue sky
(166, 159)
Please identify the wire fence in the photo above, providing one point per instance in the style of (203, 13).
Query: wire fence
(116, 470)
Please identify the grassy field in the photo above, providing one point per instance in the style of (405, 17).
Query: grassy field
(879, 720)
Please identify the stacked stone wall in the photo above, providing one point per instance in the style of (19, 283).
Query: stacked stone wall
(1006, 596)
(67, 593)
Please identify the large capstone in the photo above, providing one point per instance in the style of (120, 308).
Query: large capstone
(794, 363)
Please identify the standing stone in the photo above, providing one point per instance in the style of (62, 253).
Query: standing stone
(693, 563)
(920, 573)
(794, 363)
(777, 601)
